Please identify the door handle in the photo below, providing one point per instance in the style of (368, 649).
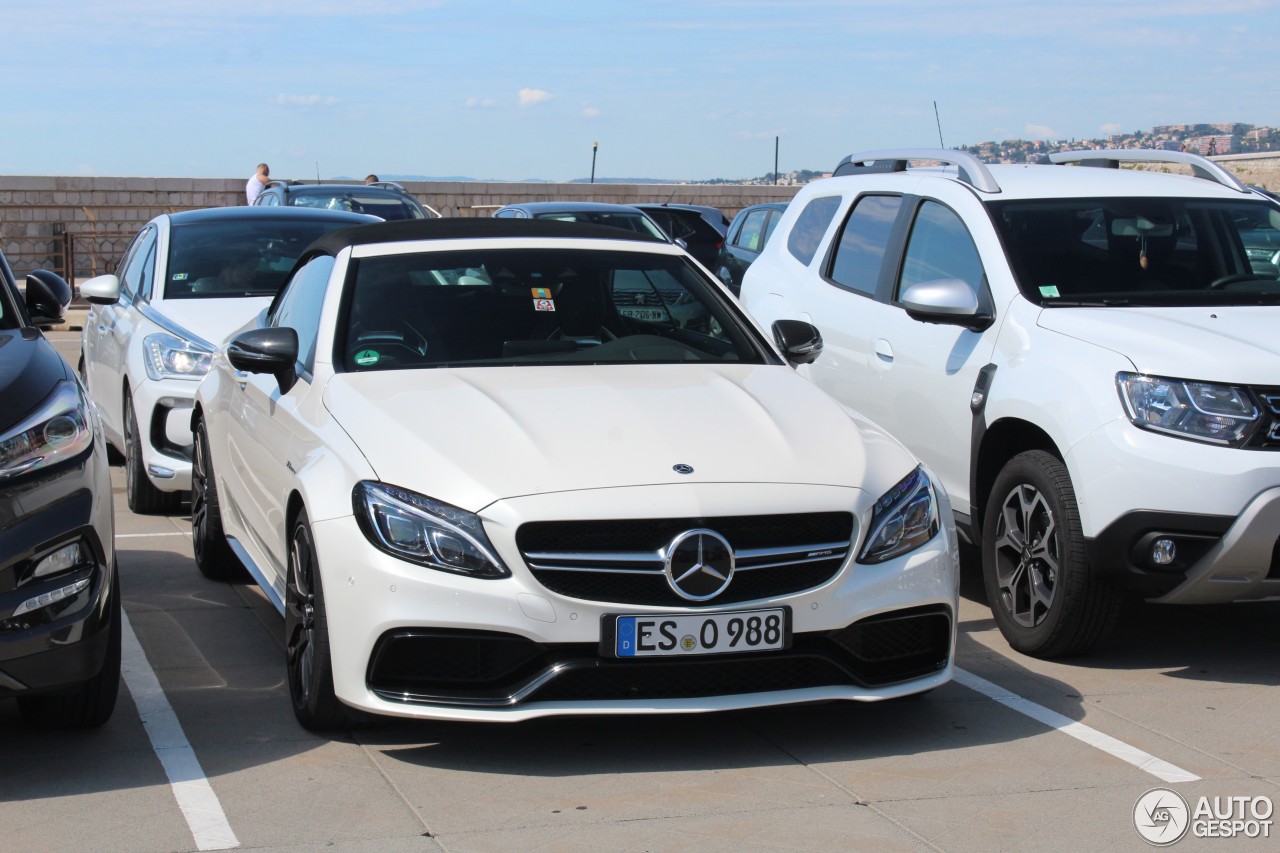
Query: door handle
(884, 351)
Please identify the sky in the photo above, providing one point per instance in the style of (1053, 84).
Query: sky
(688, 90)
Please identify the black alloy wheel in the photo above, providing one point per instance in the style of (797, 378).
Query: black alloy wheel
(307, 636)
(214, 557)
(1046, 598)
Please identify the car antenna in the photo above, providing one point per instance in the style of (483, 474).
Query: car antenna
(941, 144)
(673, 195)
(317, 171)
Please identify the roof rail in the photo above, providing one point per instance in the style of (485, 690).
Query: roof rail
(388, 184)
(1202, 167)
(972, 170)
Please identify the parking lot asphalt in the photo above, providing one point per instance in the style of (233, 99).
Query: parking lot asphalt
(1017, 754)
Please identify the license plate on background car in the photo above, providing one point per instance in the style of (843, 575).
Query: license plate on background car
(657, 635)
(652, 314)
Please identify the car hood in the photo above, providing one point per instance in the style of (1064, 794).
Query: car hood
(1223, 344)
(476, 435)
(212, 319)
(29, 368)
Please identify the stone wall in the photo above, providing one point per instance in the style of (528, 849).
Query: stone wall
(82, 225)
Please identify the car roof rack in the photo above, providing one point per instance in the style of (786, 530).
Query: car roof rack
(972, 170)
(391, 185)
(1111, 158)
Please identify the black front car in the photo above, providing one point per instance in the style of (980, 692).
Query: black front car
(59, 598)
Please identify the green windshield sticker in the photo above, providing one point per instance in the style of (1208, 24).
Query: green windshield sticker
(366, 357)
(1049, 291)
(179, 276)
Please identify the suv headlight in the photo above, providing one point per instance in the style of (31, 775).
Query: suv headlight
(60, 428)
(170, 357)
(416, 528)
(1200, 411)
(904, 518)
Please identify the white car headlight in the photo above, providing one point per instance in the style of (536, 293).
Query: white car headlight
(170, 357)
(60, 428)
(417, 528)
(1201, 411)
(904, 518)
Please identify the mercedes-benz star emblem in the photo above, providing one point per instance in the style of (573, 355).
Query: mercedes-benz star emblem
(699, 564)
(682, 468)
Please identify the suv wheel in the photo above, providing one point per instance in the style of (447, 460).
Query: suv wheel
(214, 557)
(143, 497)
(307, 636)
(1043, 593)
(90, 704)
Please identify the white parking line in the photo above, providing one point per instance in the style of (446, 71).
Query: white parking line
(196, 799)
(1143, 761)
(150, 535)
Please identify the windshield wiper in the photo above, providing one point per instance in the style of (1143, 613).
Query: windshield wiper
(1107, 302)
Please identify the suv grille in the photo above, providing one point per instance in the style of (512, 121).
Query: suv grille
(623, 561)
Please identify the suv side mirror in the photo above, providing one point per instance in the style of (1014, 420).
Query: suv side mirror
(799, 341)
(271, 350)
(48, 296)
(948, 301)
(101, 290)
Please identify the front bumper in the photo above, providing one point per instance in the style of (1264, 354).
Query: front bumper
(164, 424)
(60, 644)
(1220, 506)
(415, 642)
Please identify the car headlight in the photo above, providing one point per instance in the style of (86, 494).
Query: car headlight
(170, 357)
(60, 428)
(904, 518)
(1201, 411)
(424, 531)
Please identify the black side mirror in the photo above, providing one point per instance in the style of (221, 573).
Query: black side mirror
(271, 350)
(799, 341)
(48, 296)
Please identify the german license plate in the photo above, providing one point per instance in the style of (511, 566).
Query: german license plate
(658, 635)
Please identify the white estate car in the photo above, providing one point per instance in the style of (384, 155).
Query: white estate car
(1087, 357)
(478, 490)
(187, 280)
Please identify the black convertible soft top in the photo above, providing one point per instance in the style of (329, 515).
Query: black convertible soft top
(462, 228)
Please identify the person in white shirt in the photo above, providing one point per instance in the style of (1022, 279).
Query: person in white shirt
(254, 187)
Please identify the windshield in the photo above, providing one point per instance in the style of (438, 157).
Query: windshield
(237, 258)
(629, 221)
(538, 306)
(1142, 251)
(387, 206)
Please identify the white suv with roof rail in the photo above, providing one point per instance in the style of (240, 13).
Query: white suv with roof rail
(1087, 358)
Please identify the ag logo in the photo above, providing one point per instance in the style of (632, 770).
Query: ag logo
(1161, 816)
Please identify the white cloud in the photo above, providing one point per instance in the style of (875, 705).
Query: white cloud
(532, 97)
(590, 112)
(305, 101)
(1109, 128)
(1041, 131)
(482, 103)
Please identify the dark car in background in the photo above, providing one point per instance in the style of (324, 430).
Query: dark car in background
(60, 614)
(385, 199)
(747, 235)
(590, 212)
(693, 226)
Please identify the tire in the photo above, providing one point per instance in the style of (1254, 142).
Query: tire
(214, 557)
(1046, 598)
(92, 703)
(307, 636)
(143, 497)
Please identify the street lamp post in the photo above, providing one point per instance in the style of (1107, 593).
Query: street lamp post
(594, 146)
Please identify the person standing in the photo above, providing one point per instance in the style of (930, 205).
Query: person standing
(256, 184)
